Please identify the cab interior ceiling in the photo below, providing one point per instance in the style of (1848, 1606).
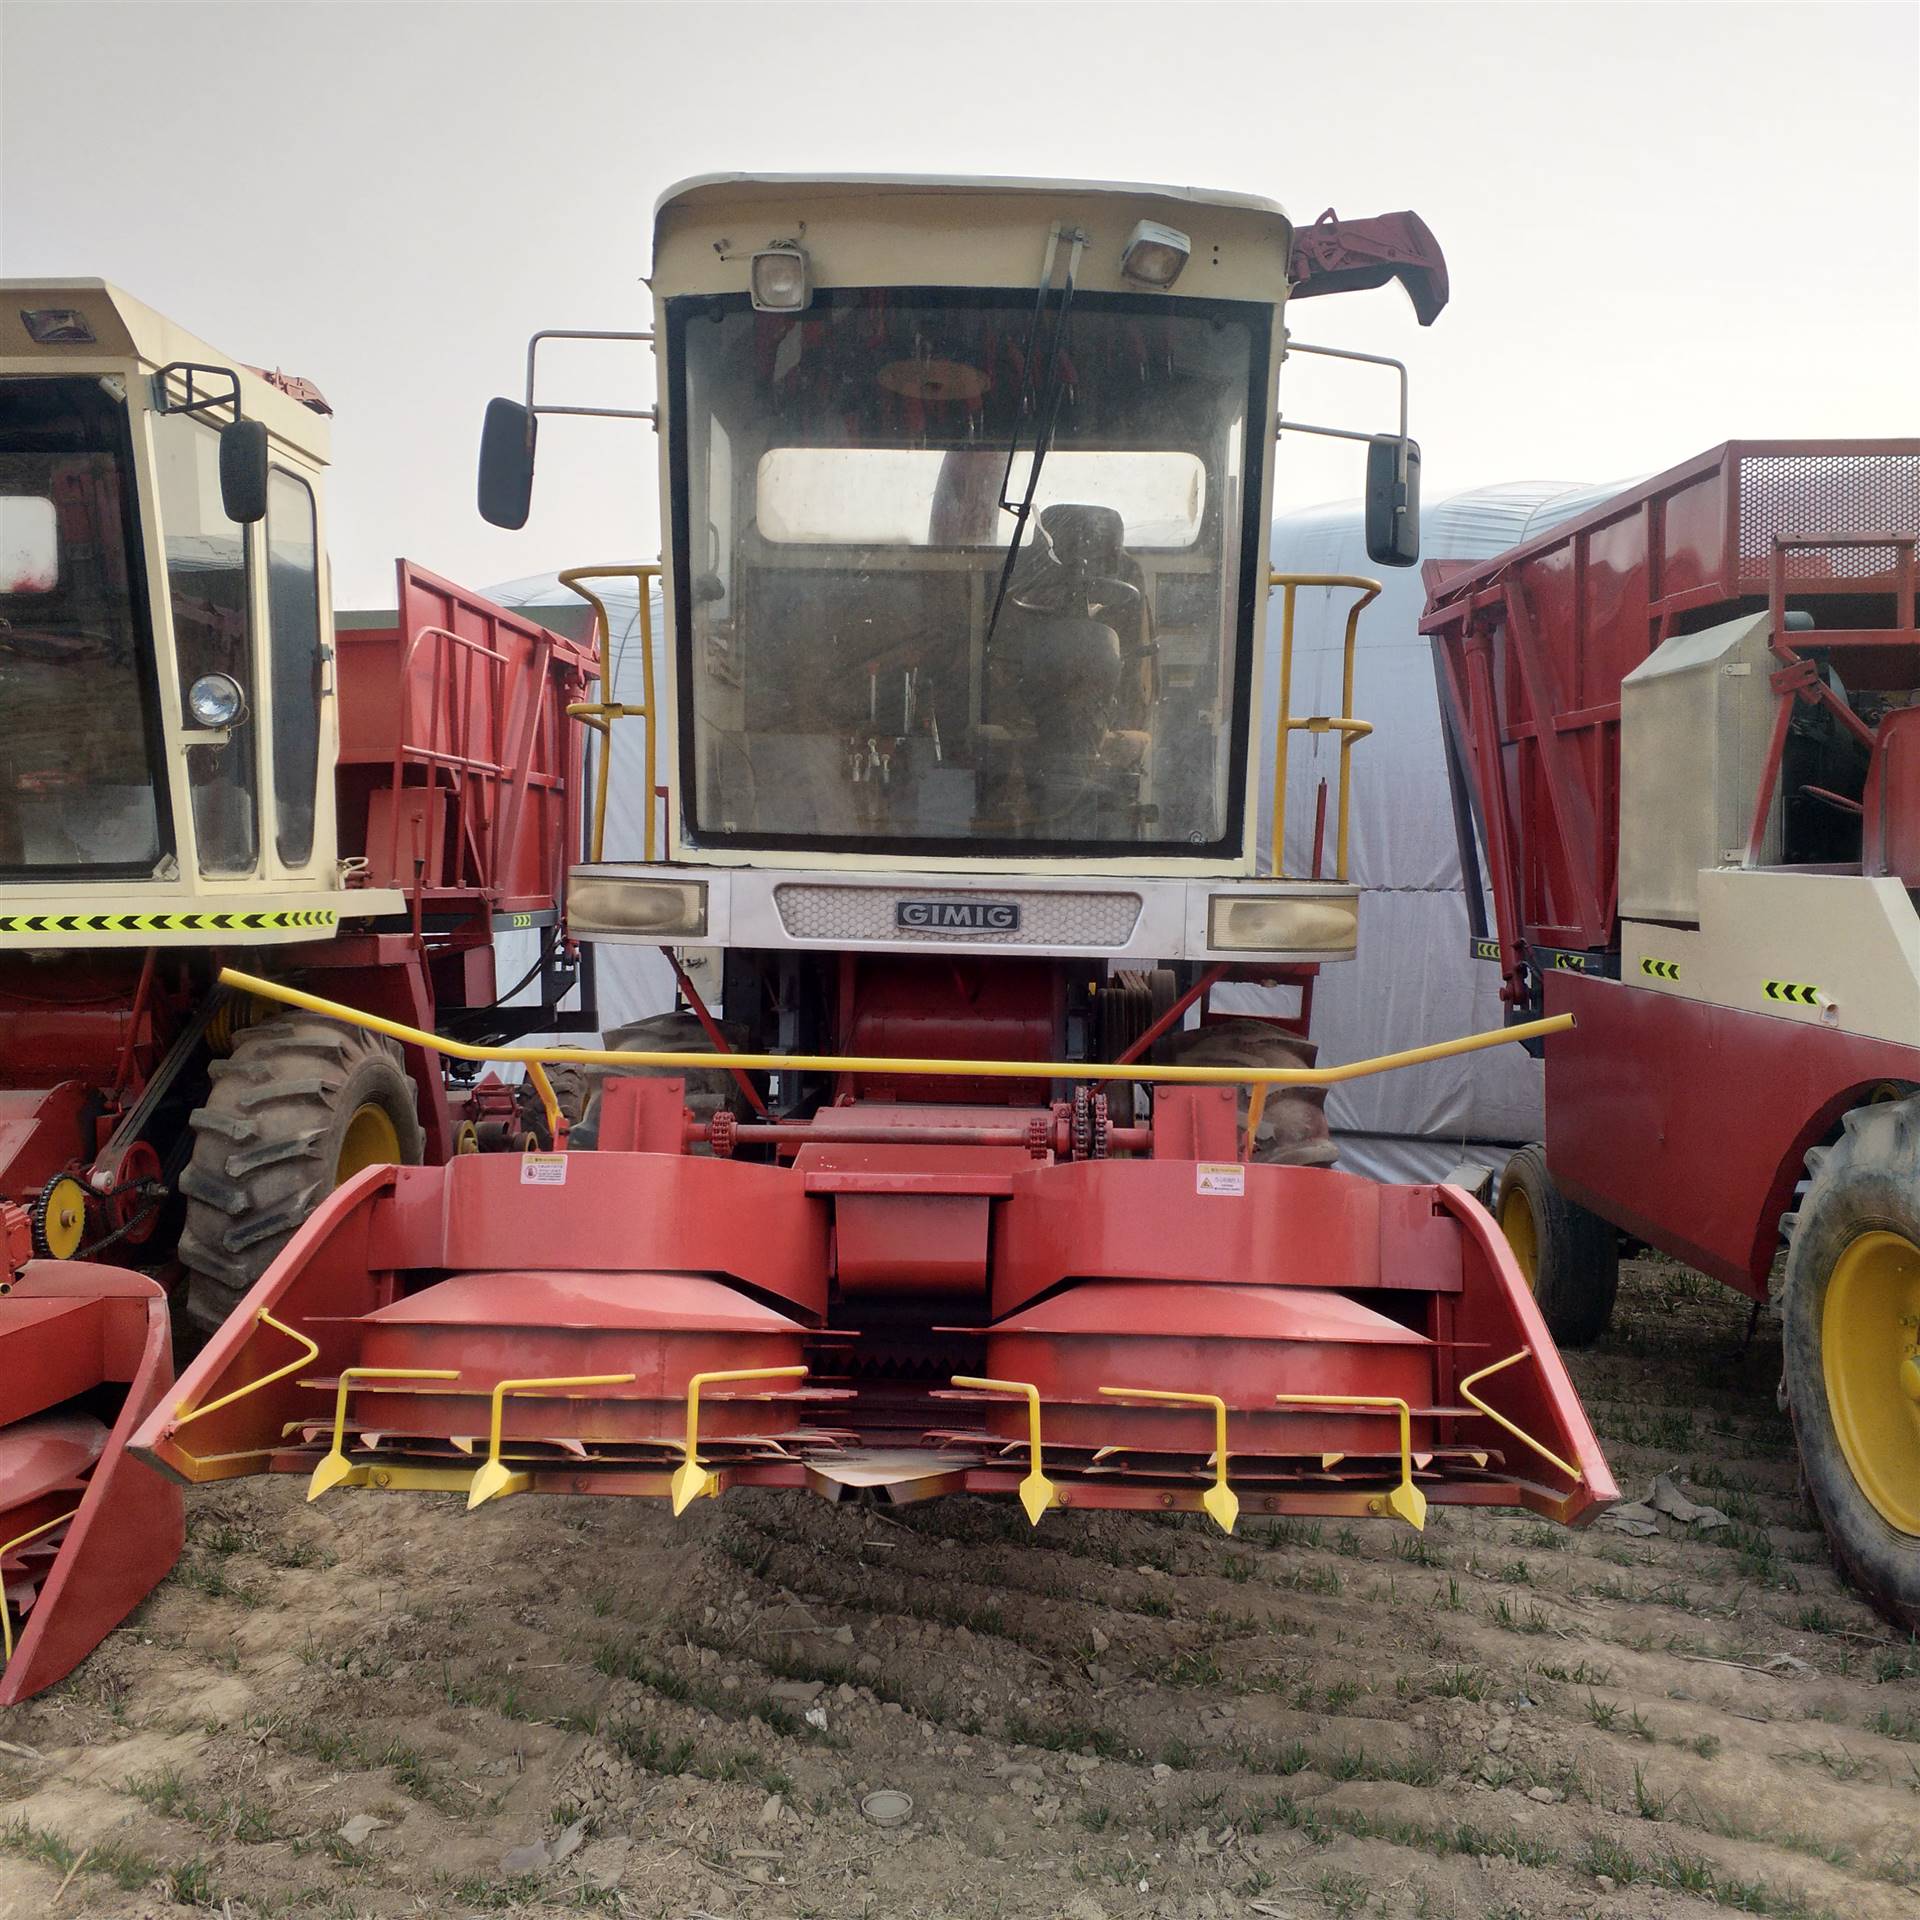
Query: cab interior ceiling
(878, 611)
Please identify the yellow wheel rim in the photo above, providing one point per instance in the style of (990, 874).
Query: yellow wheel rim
(371, 1140)
(1870, 1358)
(1516, 1222)
(64, 1217)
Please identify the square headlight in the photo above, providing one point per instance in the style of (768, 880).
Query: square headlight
(1282, 923)
(780, 280)
(613, 903)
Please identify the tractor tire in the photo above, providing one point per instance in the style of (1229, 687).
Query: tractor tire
(1569, 1257)
(1293, 1120)
(299, 1105)
(1850, 1313)
(708, 1090)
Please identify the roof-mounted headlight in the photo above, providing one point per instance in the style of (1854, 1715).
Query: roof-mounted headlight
(780, 280)
(1155, 254)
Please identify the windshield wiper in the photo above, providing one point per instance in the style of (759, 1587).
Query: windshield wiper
(1044, 394)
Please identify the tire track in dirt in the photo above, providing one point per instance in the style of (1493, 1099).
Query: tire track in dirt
(1115, 1716)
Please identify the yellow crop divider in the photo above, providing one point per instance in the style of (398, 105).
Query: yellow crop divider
(1406, 1499)
(336, 1470)
(1220, 1500)
(690, 1479)
(496, 1477)
(1037, 1492)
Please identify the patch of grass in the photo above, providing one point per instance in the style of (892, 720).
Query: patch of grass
(1063, 1736)
(1417, 1550)
(190, 1883)
(1891, 1726)
(1646, 1802)
(1463, 1683)
(644, 1747)
(1343, 1893)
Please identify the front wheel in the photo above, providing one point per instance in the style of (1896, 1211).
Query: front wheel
(1852, 1335)
(301, 1105)
(1569, 1258)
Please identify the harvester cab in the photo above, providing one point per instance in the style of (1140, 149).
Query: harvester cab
(195, 768)
(934, 1186)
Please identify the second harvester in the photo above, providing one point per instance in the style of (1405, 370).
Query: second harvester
(967, 489)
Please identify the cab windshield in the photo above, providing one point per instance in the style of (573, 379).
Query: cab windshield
(861, 668)
(77, 782)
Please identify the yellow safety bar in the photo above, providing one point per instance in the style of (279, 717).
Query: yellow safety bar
(496, 1477)
(1350, 730)
(690, 1479)
(6, 1547)
(336, 1469)
(183, 1418)
(1500, 1419)
(1037, 1492)
(1406, 1499)
(532, 1057)
(1220, 1500)
(600, 714)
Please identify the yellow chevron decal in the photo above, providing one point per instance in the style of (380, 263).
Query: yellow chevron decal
(1794, 992)
(318, 918)
(1661, 969)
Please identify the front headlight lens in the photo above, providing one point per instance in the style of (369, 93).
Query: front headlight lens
(1282, 923)
(779, 280)
(610, 903)
(216, 700)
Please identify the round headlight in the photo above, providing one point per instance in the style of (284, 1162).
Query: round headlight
(215, 700)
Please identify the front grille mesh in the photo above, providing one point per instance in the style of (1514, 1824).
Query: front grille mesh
(812, 910)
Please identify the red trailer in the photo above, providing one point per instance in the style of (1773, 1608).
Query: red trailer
(1683, 735)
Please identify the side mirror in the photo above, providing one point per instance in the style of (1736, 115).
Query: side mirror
(243, 470)
(506, 463)
(1393, 502)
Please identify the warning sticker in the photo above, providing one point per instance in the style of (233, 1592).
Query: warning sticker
(543, 1169)
(1219, 1176)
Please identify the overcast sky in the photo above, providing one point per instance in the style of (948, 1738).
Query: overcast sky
(1667, 225)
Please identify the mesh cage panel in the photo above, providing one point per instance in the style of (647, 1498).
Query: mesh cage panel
(1826, 493)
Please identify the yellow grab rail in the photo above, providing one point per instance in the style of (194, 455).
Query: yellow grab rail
(1220, 1500)
(6, 1547)
(1350, 730)
(1037, 1492)
(600, 714)
(532, 1057)
(1500, 1419)
(1406, 1499)
(183, 1418)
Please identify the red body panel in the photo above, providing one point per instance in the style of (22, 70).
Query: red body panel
(1687, 1124)
(69, 1329)
(459, 770)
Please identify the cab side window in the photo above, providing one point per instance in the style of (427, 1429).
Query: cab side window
(207, 585)
(293, 620)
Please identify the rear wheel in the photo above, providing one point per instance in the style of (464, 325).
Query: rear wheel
(300, 1105)
(1569, 1258)
(1852, 1333)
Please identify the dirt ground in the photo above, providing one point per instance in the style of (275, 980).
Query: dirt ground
(378, 1705)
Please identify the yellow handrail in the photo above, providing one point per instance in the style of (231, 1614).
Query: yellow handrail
(1316, 1076)
(601, 713)
(1350, 730)
(1500, 1419)
(6, 1547)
